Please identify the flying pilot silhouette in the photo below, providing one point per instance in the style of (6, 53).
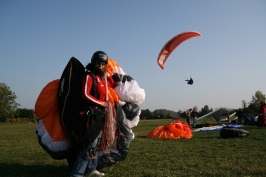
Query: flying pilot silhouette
(190, 81)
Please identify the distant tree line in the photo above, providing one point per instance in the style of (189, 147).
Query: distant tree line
(9, 108)
(247, 107)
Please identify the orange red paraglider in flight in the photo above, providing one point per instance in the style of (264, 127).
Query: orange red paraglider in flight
(172, 44)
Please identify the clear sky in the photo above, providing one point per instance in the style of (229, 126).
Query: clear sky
(228, 65)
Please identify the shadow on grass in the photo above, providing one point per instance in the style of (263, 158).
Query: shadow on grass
(18, 170)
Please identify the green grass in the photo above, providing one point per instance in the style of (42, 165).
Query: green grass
(206, 154)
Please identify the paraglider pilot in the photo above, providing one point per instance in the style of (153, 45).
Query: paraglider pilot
(95, 77)
(190, 81)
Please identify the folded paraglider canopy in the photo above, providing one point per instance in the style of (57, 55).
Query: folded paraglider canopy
(59, 104)
(174, 130)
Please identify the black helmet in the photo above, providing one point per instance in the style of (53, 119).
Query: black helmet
(99, 56)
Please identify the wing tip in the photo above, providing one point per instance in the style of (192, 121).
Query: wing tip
(161, 66)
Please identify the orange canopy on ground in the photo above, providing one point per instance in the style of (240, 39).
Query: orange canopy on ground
(174, 130)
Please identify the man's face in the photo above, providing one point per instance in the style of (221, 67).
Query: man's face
(100, 67)
(100, 64)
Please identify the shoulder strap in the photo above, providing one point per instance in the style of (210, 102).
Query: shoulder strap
(94, 92)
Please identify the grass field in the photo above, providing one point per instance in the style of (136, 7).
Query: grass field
(206, 154)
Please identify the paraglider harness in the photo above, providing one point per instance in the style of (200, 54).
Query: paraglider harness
(190, 81)
(92, 120)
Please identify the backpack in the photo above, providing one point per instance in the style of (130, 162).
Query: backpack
(232, 132)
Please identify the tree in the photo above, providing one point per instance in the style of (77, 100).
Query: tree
(244, 104)
(145, 114)
(256, 100)
(205, 110)
(179, 113)
(170, 115)
(156, 114)
(8, 105)
(163, 113)
(3, 119)
(25, 113)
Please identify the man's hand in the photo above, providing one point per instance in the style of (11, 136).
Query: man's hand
(104, 104)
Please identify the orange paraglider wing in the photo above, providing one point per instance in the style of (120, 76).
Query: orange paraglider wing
(170, 46)
(173, 130)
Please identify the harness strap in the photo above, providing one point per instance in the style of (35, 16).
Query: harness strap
(95, 88)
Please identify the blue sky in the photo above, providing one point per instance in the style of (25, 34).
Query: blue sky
(228, 65)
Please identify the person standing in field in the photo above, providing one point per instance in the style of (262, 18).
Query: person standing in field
(194, 114)
(188, 116)
(94, 93)
(239, 114)
(262, 115)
